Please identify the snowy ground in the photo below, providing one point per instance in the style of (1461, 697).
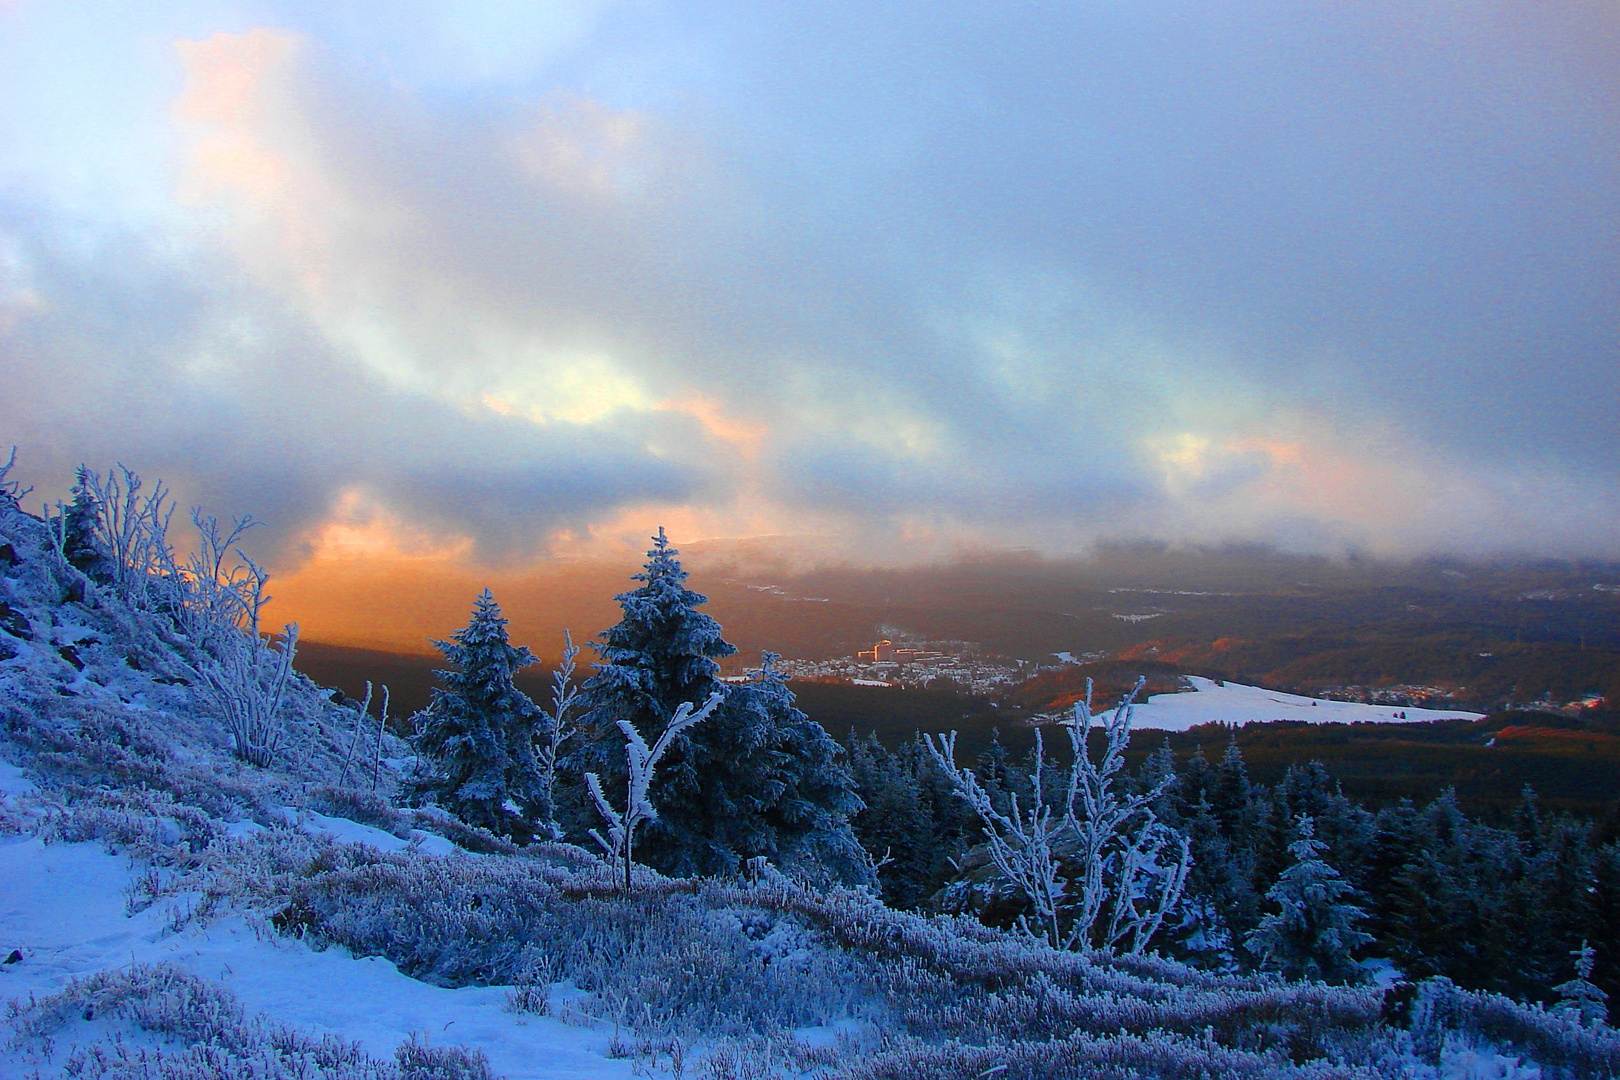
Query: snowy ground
(63, 906)
(1235, 703)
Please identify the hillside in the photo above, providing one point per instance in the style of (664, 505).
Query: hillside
(185, 901)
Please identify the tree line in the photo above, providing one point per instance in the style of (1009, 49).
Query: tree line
(742, 776)
(1505, 907)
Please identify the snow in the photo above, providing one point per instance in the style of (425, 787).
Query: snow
(12, 780)
(1234, 703)
(345, 831)
(63, 906)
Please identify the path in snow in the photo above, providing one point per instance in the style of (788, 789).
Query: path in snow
(1235, 703)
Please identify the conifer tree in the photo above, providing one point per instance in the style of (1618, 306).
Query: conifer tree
(1312, 935)
(1393, 846)
(477, 736)
(913, 825)
(660, 655)
(758, 779)
(79, 528)
(1579, 997)
(1230, 793)
(807, 795)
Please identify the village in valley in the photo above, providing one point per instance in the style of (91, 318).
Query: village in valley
(901, 660)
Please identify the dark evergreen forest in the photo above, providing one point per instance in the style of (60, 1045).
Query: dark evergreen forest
(1502, 905)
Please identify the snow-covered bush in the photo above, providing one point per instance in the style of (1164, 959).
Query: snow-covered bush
(641, 766)
(671, 958)
(246, 680)
(1125, 869)
(1563, 1046)
(99, 589)
(208, 1036)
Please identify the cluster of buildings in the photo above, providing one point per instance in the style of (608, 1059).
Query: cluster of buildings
(916, 664)
(1428, 697)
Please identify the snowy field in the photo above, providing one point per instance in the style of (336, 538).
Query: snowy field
(1235, 703)
(64, 907)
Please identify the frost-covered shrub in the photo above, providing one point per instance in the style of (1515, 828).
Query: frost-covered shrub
(657, 962)
(144, 822)
(146, 631)
(1096, 868)
(1122, 1055)
(1561, 1044)
(211, 1036)
(82, 747)
(245, 680)
(419, 1061)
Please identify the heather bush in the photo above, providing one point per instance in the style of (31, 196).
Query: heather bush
(1561, 1044)
(208, 1033)
(661, 962)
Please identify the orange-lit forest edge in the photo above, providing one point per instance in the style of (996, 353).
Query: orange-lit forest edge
(1536, 646)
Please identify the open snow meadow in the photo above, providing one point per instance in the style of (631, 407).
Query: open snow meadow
(1233, 703)
(211, 867)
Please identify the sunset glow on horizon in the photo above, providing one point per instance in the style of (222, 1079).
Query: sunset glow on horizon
(442, 295)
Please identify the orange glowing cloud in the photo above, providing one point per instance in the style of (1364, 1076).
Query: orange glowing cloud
(230, 83)
(744, 436)
(248, 150)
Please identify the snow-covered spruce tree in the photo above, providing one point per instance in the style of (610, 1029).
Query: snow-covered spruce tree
(77, 528)
(476, 738)
(659, 656)
(1096, 866)
(1580, 997)
(805, 796)
(1312, 935)
(756, 780)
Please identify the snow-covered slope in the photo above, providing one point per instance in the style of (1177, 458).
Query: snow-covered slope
(65, 907)
(1233, 703)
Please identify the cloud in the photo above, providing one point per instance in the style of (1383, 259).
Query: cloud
(1341, 278)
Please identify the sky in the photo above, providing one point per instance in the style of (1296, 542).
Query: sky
(481, 284)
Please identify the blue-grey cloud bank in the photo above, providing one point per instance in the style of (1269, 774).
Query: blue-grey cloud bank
(505, 278)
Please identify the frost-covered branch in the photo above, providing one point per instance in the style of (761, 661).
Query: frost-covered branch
(219, 594)
(559, 729)
(1122, 844)
(124, 533)
(11, 491)
(382, 728)
(643, 766)
(1100, 868)
(361, 715)
(134, 530)
(245, 679)
(1020, 841)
